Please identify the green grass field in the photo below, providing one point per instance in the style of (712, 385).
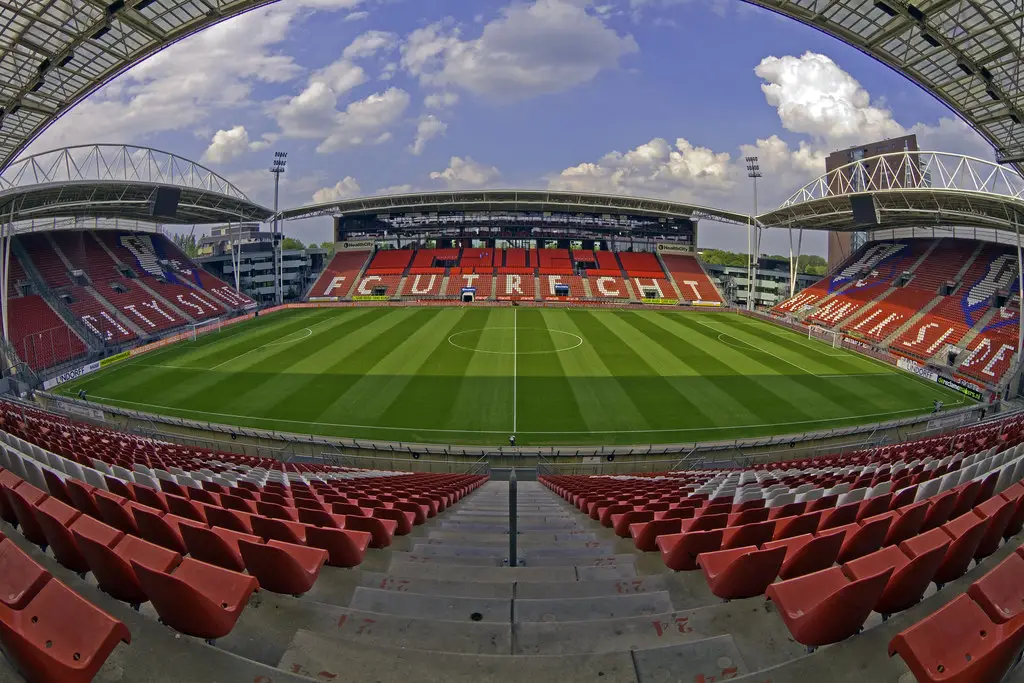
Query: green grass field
(476, 375)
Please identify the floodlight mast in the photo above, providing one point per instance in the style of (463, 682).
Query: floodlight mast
(753, 236)
(277, 168)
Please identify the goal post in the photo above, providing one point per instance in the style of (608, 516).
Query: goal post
(196, 330)
(830, 337)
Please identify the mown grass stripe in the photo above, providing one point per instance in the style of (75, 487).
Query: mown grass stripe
(546, 398)
(730, 397)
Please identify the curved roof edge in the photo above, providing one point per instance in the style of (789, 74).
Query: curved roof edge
(514, 200)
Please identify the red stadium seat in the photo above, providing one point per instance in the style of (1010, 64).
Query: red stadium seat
(113, 568)
(216, 546)
(23, 501)
(996, 512)
(959, 644)
(1001, 591)
(741, 572)
(283, 567)
(198, 599)
(826, 607)
(909, 580)
(680, 551)
(55, 517)
(345, 547)
(21, 578)
(806, 554)
(116, 512)
(59, 636)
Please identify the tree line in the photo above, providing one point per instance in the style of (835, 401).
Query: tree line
(808, 264)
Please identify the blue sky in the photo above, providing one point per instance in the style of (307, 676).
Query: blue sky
(646, 97)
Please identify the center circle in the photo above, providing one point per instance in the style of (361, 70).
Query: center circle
(518, 340)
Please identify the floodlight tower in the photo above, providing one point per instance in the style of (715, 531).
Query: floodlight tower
(753, 236)
(277, 168)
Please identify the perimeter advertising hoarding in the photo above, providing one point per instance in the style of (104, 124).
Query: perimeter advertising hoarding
(967, 391)
(674, 248)
(70, 375)
(368, 297)
(660, 302)
(917, 369)
(355, 245)
(113, 359)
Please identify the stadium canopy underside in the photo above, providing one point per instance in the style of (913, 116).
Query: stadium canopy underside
(118, 181)
(967, 53)
(54, 53)
(906, 189)
(515, 201)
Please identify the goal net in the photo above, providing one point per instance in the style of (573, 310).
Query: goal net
(197, 330)
(830, 337)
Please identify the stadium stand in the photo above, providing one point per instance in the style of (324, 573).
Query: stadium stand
(378, 283)
(39, 336)
(640, 264)
(390, 262)
(95, 316)
(481, 283)
(516, 285)
(653, 288)
(608, 286)
(340, 274)
(847, 537)
(549, 287)
(919, 297)
(423, 284)
(694, 284)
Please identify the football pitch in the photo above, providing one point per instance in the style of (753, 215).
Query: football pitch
(548, 375)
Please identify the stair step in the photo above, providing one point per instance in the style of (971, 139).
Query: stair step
(444, 608)
(333, 659)
(589, 608)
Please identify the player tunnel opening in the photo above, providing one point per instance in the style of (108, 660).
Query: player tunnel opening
(468, 295)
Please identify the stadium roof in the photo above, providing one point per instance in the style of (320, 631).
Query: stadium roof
(965, 52)
(53, 53)
(909, 189)
(514, 200)
(119, 181)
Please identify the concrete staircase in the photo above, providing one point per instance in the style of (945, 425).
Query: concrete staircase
(448, 607)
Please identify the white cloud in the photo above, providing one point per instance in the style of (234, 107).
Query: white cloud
(441, 100)
(394, 189)
(369, 44)
(186, 85)
(428, 128)
(544, 47)
(813, 95)
(388, 71)
(366, 121)
(465, 173)
(654, 169)
(227, 145)
(343, 189)
(356, 16)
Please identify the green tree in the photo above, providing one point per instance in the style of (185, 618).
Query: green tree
(187, 244)
(329, 246)
(292, 243)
